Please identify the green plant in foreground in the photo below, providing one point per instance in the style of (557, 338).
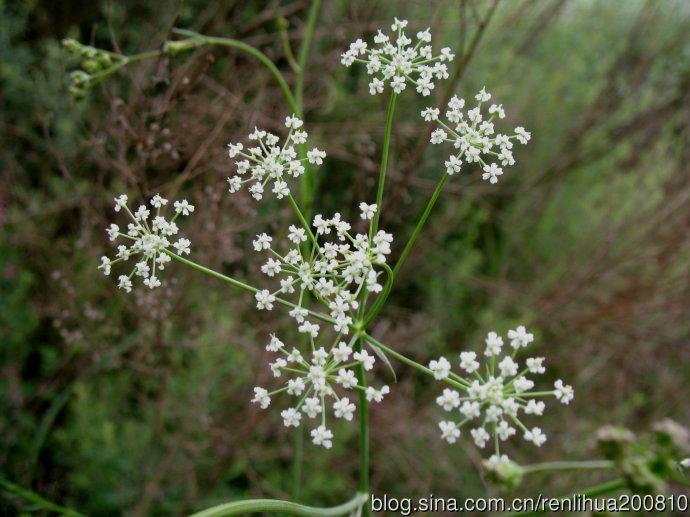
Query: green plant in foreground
(335, 280)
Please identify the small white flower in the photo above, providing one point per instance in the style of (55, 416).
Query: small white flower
(376, 395)
(296, 386)
(376, 86)
(342, 352)
(113, 231)
(438, 136)
(316, 156)
(535, 436)
(523, 384)
(322, 436)
(183, 207)
(470, 409)
(261, 397)
(262, 242)
(234, 149)
(120, 202)
(504, 431)
(297, 235)
(366, 359)
(277, 366)
(563, 392)
(125, 283)
(453, 164)
(398, 84)
(440, 367)
(449, 400)
(480, 437)
(449, 431)
(483, 96)
(520, 338)
(491, 173)
(182, 246)
(430, 114)
(275, 344)
(535, 407)
(292, 122)
(368, 211)
(291, 418)
(494, 344)
(468, 362)
(522, 135)
(343, 408)
(105, 265)
(264, 300)
(535, 364)
(346, 378)
(157, 201)
(508, 367)
(312, 407)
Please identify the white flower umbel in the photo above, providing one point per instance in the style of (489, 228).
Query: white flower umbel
(147, 240)
(493, 400)
(395, 61)
(336, 270)
(474, 137)
(265, 161)
(313, 382)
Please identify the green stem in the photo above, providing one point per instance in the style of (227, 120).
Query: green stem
(303, 221)
(568, 465)
(384, 162)
(420, 223)
(363, 429)
(36, 501)
(241, 285)
(248, 49)
(288, 507)
(410, 362)
(298, 453)
(381, 299)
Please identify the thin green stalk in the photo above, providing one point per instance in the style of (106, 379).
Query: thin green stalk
(298, 454)
(248, 49)
(275, 505)
(302, 220)
(241, 285)
(381, 299)
(410, 362)
(568, 465)
(363, 429)
(398, 356)
(36, 501)
(420, 223)
(384, 162)
(306, 192)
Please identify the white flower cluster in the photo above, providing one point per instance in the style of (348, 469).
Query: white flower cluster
(269, 161)
(312, 383)
(474, 136)
(396, 62)
(495, 397)
(149, 240)
(336, 271)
